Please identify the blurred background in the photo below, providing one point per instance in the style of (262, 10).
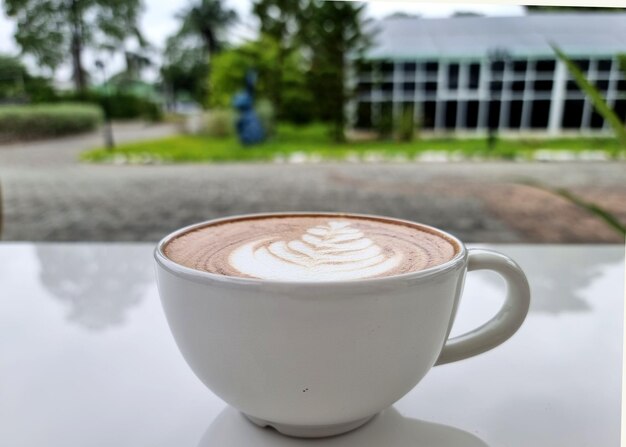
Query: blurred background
(122, 121)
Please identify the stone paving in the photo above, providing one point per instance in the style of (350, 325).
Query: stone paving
(48, 196)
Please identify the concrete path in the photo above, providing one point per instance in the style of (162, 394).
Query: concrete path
(479, 202)
(64, 151)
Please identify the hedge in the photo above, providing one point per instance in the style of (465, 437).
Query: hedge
(120, 105)
(29, 122)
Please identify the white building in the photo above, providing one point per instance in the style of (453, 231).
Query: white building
(472, 73)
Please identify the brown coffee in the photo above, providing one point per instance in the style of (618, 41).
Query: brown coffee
(311, 248)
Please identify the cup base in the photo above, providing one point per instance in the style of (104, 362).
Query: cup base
(310, 431)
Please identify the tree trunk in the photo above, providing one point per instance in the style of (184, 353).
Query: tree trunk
(278, 81)
(78, 73)
(210, 42)
(339, 116)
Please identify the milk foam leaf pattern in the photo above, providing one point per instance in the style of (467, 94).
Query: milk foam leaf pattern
(334, 250)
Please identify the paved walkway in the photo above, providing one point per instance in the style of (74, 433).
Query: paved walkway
(49, 197)
(64, 151)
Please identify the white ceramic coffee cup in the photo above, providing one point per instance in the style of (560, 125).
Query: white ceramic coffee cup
(321, 358)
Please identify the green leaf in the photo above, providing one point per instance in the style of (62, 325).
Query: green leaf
(594, 96)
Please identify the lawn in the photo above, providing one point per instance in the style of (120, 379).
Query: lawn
(311, 143)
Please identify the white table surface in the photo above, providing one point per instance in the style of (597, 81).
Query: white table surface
(87, 359)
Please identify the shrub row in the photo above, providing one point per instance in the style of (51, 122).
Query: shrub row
(119, 105)
(29, 122)
(220, 123)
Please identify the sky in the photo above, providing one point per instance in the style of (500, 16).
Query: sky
(158, 21)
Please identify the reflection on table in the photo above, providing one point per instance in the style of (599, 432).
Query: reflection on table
(87, 359)
(388, 429)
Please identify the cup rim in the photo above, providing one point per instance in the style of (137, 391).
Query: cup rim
(202, 276)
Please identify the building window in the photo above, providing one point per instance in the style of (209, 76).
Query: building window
(453, 76)
(544, 66)
(429, 110)
(604, 65)
(540, 114)
(583, 64)
(515, 114)
(525, 94)
(517, 86)
(364, 87)
(543, 86)
(493, 119)
(519, 67)
(432, 67)
(364, 115)
(620, 109)
(471, 115)
(497, 66)
(603, 86)
(430, 87)
(474, 76)
(409, 67)
(451, 107)
(573, 113)
(596, 120)
(386, 68)
(495, 87)
(572, 86)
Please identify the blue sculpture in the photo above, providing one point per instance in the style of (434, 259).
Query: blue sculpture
(249, 127)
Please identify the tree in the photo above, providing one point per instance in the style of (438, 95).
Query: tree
(12, 77)
(229, 68)
(280, 20)
(333, 32)
(18, 85)
(185, 70)
(136, 62)
(52, 29)
(130, 75)
(207, 20)
(188, 52)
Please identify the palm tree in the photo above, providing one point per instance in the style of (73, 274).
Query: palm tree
(206, 19)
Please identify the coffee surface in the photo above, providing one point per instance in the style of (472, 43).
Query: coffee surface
(310, 248)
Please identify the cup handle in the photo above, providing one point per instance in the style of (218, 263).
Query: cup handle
(508, 319)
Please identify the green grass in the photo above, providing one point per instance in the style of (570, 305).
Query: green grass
(312, 142)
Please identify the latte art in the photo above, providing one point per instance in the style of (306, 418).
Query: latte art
(334, 251)
(310, 248)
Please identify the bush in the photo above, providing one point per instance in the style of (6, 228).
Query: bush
(17, 85)
(265, 111)
(384, 123)
(125, 106)
(406, 125)
(219, 123)
(119, 105)
(47, 120)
